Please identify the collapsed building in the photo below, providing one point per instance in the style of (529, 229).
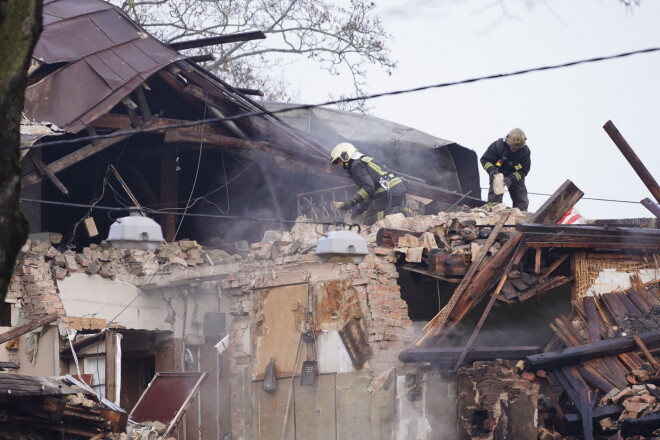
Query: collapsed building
(240, 330)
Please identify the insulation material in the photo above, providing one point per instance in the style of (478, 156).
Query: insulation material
(498, 184)
(338, 303)
(612, 280)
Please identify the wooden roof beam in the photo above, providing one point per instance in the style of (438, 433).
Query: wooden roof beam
(633, 159)
(221, 39)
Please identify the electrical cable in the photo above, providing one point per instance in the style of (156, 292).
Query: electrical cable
(199, 162)
(585, 198)
(72, 239)
(151, 211)
(344, 100)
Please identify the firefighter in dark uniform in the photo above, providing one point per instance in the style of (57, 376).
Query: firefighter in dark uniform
(511, 157)
(379, 192)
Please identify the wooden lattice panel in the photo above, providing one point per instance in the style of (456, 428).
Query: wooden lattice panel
(587, 266)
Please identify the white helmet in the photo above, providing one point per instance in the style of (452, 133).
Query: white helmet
(342, 152)
(516, 138)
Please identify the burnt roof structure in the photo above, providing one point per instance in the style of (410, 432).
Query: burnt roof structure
(95, 73)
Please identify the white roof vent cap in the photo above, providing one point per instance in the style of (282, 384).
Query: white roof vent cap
(136, 232)
(342, 246)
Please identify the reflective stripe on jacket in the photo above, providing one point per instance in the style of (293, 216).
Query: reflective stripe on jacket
(516, 164)
(371, 177)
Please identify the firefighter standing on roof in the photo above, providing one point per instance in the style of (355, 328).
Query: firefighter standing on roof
(379, 191)
(511, 157)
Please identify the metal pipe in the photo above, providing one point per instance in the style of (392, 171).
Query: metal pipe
(199, 396)
(458, 201)
(218, 361)
(323, 191)
(183, 354)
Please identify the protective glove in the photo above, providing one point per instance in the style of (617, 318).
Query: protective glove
(508, 181)
(492, 171)
(359, 209)
(344, 206)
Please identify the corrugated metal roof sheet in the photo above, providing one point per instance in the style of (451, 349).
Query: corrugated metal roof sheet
(108, 55)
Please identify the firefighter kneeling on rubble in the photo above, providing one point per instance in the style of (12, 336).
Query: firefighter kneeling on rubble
(379, 191)
(511, 157)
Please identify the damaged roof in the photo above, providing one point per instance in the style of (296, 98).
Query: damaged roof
(91, 55)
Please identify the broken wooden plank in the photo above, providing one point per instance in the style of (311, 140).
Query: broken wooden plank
(555, 264)
(615, 307)
(43, 169)
(20, 385)
(639, 300)
(443, 263)
(547, 285)
(571, 424)
(593, 378)
(588, 236)
(581, 353)
(591, 316)
(557, 205)
(642, 346)
(449, 355)
(633, 159)
(426, 272)
(22, 329)
(641, 426)
(439, 320)
(537, 262)
(143, 104)
(6, 365)
(587, 231)
(389, 237)
(517, 255)
(220, 39)
(480, 285)
(355, 342)
(631, 308)
(552, 242)
(651, 206)
(77, 156)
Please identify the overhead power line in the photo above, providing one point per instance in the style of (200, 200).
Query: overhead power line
(344, 100)
(233, 217)
(153, 211)
(584, 198)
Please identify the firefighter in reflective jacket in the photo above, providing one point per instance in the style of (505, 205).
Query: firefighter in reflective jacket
(379, 191)
(511, 157)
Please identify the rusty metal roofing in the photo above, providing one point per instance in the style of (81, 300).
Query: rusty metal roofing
(104, 56)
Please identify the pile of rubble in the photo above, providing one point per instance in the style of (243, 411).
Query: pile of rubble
(41, 408)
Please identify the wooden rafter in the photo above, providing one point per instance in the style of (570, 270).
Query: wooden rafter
(75, 157)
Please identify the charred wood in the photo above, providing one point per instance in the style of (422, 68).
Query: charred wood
(571, 424)
(642, 426)
(581, 353)
(633, 159)
(449, 355)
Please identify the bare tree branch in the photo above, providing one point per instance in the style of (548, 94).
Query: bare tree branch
(341, 39)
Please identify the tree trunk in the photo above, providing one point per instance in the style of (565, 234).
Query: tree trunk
(20, 25)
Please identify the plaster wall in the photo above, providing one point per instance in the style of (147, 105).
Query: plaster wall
(92, 296)
(46, 355)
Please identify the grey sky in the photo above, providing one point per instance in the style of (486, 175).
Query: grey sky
(561, 111)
